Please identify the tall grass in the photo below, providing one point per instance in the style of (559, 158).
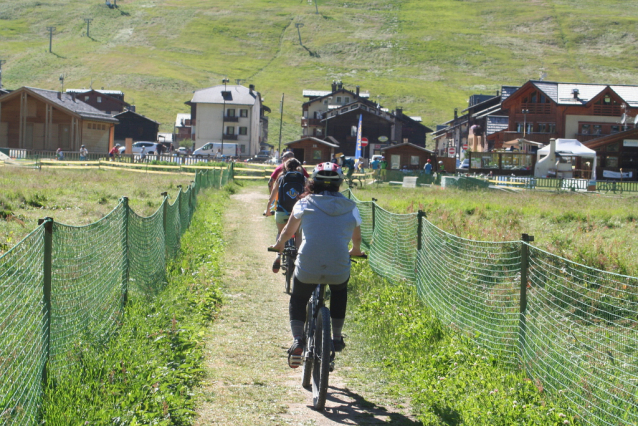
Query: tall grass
(591, 229)
(146, 373)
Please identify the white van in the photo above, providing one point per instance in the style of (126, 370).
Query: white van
(211, 149)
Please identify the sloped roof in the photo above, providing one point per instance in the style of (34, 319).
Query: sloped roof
(406, 144)
(104, 92)
(322, 93)
(137, 114)
(239, 95)
(66, 102)
(563, 93)
(506, 91)
(316, 140)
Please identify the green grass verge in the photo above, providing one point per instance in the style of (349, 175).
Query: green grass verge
(146, 373)
(447, 377)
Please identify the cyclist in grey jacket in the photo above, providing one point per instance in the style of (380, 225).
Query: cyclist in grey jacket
(329, 222)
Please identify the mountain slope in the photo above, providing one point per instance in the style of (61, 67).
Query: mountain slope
(427, 56)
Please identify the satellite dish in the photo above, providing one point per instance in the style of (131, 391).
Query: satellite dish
(635, 120)
(543, 76)
(623, 119)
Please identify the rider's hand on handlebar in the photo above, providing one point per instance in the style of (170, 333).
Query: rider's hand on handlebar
(278, 246)
(268, 212)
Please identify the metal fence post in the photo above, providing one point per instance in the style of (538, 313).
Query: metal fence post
(420, 215)
(374, 207)
(126, 251)
(46, 290)
(522, 330)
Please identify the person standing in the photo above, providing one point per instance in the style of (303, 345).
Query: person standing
(83, 153)
(428, 167)
(59, 154)
(114, 152)
(383, 165)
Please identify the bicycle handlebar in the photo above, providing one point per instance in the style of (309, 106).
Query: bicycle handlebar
(363, 256)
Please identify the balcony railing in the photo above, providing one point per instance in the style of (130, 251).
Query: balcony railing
(534, 137)
(538, 109)
(305, 122)
(230, 137)
(229, 119)
(610, 110)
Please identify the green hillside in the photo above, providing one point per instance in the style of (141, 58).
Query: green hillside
(427, 56)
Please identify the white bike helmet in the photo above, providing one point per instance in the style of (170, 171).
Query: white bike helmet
(328, 173)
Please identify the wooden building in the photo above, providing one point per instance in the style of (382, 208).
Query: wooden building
(108, 101)
(135, 126)
(313, 150)
(42, 119)
(615, 152)
(407, 155)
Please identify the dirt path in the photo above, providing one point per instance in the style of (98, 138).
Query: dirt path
(249, 381)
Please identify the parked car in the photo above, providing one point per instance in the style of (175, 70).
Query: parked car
(151, 147)
(182, 150)
(465, 164)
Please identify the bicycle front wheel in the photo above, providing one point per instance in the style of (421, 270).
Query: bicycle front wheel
(321, 368)
(290, 269)
(308, 360)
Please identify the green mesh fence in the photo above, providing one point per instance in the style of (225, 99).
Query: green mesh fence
(85, 275)
(582, 337)
(574, 329)
(472, 285)
(393, 247)
(22, 329)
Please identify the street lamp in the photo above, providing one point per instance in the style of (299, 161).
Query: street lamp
(525, 111)
(225, 81)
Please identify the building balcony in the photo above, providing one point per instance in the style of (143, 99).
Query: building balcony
(537, 109)
(534, 137)
(229, 119)
(305, 122)
(230, 137)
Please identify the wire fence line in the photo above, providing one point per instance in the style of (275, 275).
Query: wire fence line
(572, 328)
(62, 284)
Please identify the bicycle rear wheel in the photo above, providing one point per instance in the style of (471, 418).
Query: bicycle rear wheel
(321, 367)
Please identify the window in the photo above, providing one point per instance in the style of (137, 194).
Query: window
(230, 113)
(86, 98)
(598, 129)
(611, 161)
(242, 147)
(615, 129)
(551, 127)
(243, 130)
(230, 130)
(316, 154)
(107, 112)
(338, 99)
(414, 160)
(542, 127)
(99, 99)
(325, 102)
(243, 113)
(612, 147)
(395, 162)
(584, 129)
(347, 99)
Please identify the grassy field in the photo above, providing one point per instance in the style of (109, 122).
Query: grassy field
(592, 229)
(426, 56)
(74, 197)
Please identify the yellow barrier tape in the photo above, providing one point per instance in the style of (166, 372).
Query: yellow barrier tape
(155, 166)
(68, 162)
(147, 171)
(250, 177)
(46, 166)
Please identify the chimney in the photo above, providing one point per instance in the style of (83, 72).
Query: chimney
(60, 95)
(456, 113)
(73, 96)
(334, 86)
(398, 112)
(131, 108)
(357, 91)
(497, 93)
(575, 93)
(339, 85)
(251, 88)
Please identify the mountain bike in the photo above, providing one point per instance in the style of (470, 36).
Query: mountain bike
(609, 186)
(288, 262)
(319, 353)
